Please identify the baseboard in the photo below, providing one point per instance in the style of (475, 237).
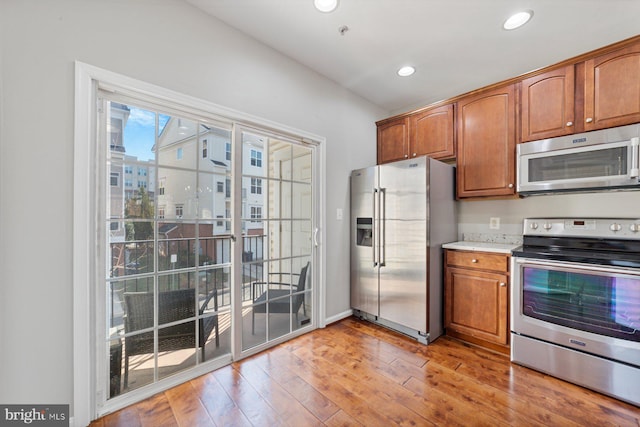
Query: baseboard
(338, 317)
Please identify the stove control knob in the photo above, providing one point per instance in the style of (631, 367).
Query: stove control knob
(547, 226)
(615, 227)
(533, 226)
(634, 227)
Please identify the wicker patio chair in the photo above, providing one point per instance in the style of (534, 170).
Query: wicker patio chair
(173, 306)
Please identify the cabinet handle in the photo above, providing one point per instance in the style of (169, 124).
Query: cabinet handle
(406, 155)
(502, 284)
(510, 185)
(589, 120)
(569, 123)
(414, 154)
(474, 260)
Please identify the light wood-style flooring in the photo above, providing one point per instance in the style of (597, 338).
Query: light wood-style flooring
(356, 373)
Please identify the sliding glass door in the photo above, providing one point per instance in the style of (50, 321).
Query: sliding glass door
(168, 258)
(277, 229)
(207, 254)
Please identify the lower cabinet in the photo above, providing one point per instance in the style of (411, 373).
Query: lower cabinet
(477, 298)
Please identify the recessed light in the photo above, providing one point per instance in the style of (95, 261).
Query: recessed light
(406, 71)
(325, 5)
(517, 20)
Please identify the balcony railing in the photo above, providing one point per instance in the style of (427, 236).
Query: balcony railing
(132, 268)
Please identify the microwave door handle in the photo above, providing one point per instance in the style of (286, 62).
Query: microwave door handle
(635, 157)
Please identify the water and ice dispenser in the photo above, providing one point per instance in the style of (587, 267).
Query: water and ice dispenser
(364, 231)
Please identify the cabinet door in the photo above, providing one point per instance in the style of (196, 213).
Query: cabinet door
(393, 141)
(476, 304)
(612, 89)
(548, 104)
(431, 133)
(486, 143)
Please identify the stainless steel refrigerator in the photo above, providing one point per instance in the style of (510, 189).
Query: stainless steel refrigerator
(401, 214)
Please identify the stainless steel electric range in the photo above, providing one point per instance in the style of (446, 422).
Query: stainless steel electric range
(575, 302)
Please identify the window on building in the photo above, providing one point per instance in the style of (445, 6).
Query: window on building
(128, 183)
(179, 211)
(116, 135)
(256, 212)
(128, 169)
(220, 187)
(179, 153)
(115, 178)
(204, 149)
(228, 188)
(256, 186)
(219, 223)
(142, 184)
(256, 158)
(161, 212)
(142, 172)
(228, 151)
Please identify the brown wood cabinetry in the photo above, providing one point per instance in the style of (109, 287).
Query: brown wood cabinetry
(547, 104)
(477, 298)
(612, 89)
(486, 143)
(596, 90)
(393, 140)
(608, 94)
(429, 132)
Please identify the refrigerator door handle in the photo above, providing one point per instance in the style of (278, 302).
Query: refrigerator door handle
(382, 256)
(374, 232)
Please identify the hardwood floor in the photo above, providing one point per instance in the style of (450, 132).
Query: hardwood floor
(356, 373)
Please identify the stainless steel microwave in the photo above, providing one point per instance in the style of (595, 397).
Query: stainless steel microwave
(606, 159)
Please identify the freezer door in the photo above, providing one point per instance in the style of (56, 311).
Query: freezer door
(403, 239)
(364, 242)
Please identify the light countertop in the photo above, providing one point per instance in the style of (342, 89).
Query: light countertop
(504, 248)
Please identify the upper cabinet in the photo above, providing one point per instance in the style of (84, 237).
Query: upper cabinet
(547, 104)
(608, 94)
(486, 143)
(431, 133)
(393, 140)
(596, 90)
(612, 89)
(427, 132)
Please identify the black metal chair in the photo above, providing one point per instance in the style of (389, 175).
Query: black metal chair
(279, 297)
(173, 306)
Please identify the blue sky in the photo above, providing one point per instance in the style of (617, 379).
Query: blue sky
(139, 132)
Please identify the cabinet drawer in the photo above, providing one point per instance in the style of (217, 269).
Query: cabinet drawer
(479, 260)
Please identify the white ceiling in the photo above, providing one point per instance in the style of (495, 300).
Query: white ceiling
(455, 45)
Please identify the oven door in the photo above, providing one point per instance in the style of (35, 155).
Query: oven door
(589, 308)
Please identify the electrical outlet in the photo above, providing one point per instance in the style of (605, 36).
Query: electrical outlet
(494, 223)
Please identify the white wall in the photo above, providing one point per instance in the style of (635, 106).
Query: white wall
(167, 43)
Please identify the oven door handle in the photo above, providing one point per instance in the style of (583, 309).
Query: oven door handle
(575, 266)
(634, 172)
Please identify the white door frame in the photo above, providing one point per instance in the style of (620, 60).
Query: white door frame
(87, 78)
